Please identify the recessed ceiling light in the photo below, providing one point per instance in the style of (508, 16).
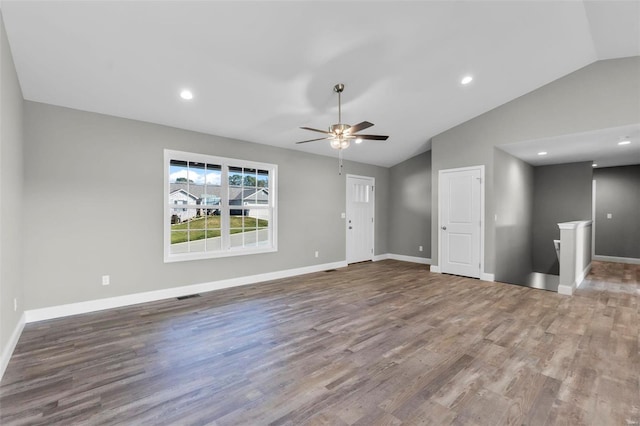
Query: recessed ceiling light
(542, 153)
(624, 142)
(358, 140)
(466, 79)
(186, 95)
(594, 165)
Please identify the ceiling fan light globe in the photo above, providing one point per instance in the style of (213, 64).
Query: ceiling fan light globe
(335, 143)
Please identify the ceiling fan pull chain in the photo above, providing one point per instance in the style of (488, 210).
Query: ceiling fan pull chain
(340, 162)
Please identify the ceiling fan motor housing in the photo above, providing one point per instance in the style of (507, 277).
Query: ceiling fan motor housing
(339, 129)
(340, 135)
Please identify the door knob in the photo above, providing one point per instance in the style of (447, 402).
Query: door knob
(351, 227)
(444, 228)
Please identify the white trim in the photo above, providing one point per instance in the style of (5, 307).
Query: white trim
(487, 277)
(576, 224)
(224, 207)
(580, 278)
(11, 344)
(151, 296)
(593, 218)
(567, 290)
(436, 269)
(482, 208)
(413, 259)
(629, 260)
(402, 258)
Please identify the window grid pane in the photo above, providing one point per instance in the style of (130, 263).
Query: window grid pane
(214, 206)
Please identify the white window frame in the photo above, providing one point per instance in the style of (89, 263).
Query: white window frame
(225, 208)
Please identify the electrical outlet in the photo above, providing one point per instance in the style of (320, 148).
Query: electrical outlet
(420, 248)
(15, 304)
(343, 215)
(609, 215)
(317, 253)
(106, 280)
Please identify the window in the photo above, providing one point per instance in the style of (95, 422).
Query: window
(216, 207)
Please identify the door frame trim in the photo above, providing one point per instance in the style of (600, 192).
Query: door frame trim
(479, 167)
(373, 226)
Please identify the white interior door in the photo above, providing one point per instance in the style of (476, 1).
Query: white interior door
(460, 221)
(359, 220)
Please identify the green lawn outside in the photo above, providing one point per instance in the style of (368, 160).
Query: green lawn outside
(209, 227)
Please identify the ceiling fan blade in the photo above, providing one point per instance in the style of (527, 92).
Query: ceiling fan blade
(373, 137)
(360, 126)
(316, 130)
(313, 140)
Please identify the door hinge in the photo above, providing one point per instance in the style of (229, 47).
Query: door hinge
(479, 180)
(371, 251)
(371, 220)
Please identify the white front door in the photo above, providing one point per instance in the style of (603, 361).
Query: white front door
(460, 221)
(360, 208)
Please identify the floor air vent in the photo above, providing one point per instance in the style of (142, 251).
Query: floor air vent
(330, 270)
(190, 296)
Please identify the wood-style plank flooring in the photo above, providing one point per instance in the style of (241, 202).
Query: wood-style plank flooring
(380, 343)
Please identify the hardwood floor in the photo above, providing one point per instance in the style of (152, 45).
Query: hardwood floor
(380, 343)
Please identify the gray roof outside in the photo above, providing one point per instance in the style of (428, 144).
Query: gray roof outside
(236, 194)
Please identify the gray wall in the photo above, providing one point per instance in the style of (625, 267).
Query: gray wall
(562, 193)
(94, 184)
(410, 206)
(513, 186)
(618, 193)
(11, 209)
(601, 95)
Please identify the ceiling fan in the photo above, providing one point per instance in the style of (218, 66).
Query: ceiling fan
(340, 135)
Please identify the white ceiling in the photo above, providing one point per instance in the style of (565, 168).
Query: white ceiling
(259, 70)
(599, 146)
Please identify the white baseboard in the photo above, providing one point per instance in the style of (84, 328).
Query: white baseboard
(582, 276)
(568, 290)
(414, 259)
(51, 312)
(403, 258)
(629, 260)
(11, 345)
(487, 277)
(483, 276)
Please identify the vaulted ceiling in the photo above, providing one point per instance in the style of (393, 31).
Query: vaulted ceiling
(260, 70)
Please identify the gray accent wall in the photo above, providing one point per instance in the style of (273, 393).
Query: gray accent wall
(562, 193)
(410, 207)
(601, 95)
(513, 186)
(94, 199)
(12, 230)
(617, 193)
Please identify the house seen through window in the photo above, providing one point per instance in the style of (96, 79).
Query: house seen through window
(218, 206)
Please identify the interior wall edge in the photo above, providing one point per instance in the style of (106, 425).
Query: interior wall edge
(11, 344)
